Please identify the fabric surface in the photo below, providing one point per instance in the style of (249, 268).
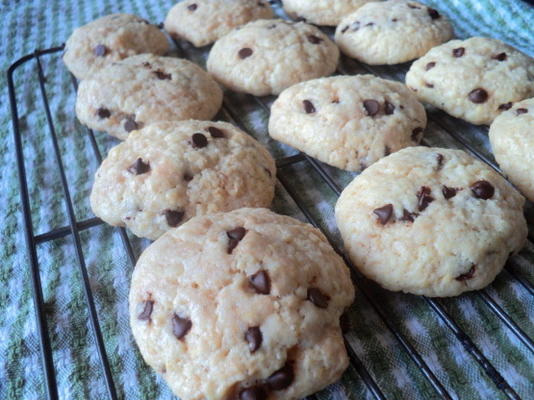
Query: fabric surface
(39, 24)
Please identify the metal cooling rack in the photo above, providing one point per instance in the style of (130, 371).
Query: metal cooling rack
(459, 133)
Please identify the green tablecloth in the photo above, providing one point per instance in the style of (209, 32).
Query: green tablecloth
(38, 24)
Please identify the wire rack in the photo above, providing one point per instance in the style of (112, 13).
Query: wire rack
(450, 131)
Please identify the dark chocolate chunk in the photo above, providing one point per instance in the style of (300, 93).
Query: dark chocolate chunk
(424, 198)
(314, 39)
(308, 107)
(103, 113)
(434, 14)
(459, 52)
(416, 134)
(254, 338)
(413, 6)
(130, 125)
(192, 7)
(317, 297)
(147, 65)
(389, 108)
(369, 24)
(408, 216)
(448, 192)
(429, 85)
(505, 106)
(394, 20)
(253, 393)
(234, 237)
(478, 96)
(198, 140)
(245, 52)
(384, 213)
(282, 378)
(173, 217)
(482, 190)
(439, 159)
(146, 310)
(520, 111)
(139, 167)
(260, 282)
(162, 75)
(100, 50)
(468, 275)
(430, 65)
(180, 326)
(216, 132)
(372, 107)
(188, 177)
(345, 29)
(500, 57)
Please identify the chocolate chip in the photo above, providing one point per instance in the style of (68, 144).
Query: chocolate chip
(188, 177)
(384, 213)
(146, 310)
(317, 297)
(100, 50)
(387, 151)
(147, 65)
(482, 190)
(192, 7)
(388, 108)
(468, 275)
(180, 326)
(448, 192)
(505, 106)
(345, 29)
(424, 198)
(308, 107)
(282, 378)
(439, 159)
(173, 217)
(459, 52)
(430, 65)
(130, 125)
(413, 6)
(369, 24)
(335, 100)
(314, 39)
(408, 216)
(520, 111)
(139, 167)
(198, 140)
(245, 52)
(254, 338)
(272, 26)
(372, 107)
(162, 75)
(434, 14)
(478, 96)
(253, 393)
(416, 134)
(216, 132)
(103, 113)
(260, 282)
(394, 20)
(429, 85)
(234, 237)
(500, 57)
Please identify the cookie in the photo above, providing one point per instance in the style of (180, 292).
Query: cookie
(472, 79)
(144, 89)
(168, 172)
(348, 122)
(391, 32)
(512, 140)
(109, 39)
(266, 56)
(243, 305)
(431, 221)
(202, 22)
(322, 12)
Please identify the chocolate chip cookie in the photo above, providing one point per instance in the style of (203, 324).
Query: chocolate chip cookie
(168, 172)
(241, 305)
(391, 32)
(512, 140)
(322, 12)
(266, 56)
(348, 121)
(143, 89)
(473, 79)
(431, 221)
(202, 22)
(109, 39)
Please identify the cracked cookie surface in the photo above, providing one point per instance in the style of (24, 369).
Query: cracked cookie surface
(242, 305)
(144, 89)
(110, 39)
(431, 221)
(168, 172)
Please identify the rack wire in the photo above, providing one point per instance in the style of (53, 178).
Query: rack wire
(502, 388)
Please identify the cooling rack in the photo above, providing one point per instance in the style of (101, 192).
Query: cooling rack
(311, 188)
